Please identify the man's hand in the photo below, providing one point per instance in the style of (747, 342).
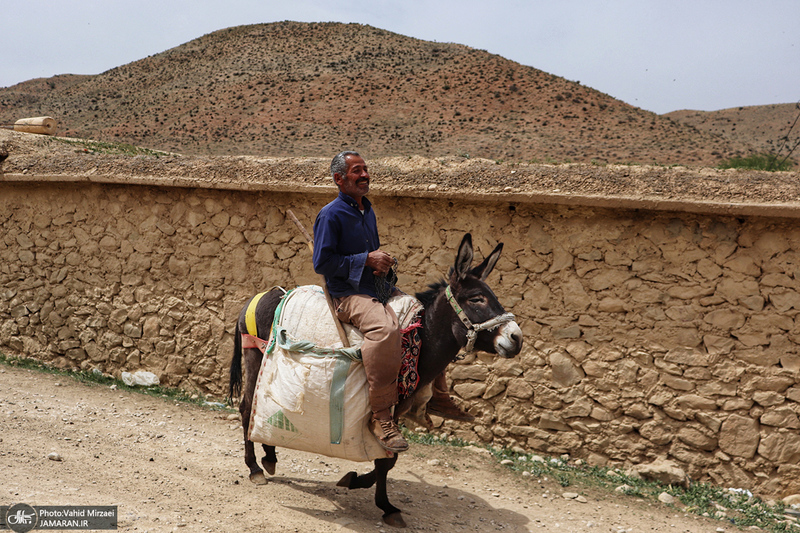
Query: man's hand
(380, 262)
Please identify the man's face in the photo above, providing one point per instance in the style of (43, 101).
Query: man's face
(355, 182)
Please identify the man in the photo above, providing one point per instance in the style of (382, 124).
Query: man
(347, 253)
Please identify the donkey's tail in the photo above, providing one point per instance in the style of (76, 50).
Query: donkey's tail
(235, 388)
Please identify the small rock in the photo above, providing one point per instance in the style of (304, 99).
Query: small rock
(477, 449)
(664, 471)
(506, 462)
(233, 417)
(792, 499)
(54, 456)
(140, 378)
(623, 488)
(581, 499)
(434, 462)
(667, 498)
(570, 495)
(432, 187)
(747, 493)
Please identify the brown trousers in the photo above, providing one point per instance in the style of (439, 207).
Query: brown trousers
(381, 351)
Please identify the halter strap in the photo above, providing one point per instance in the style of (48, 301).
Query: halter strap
(473, 329)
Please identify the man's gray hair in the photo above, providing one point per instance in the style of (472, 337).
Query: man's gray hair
(339, 165)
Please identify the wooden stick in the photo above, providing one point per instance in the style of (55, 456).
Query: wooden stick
(328, 299)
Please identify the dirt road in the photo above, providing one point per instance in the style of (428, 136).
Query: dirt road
(172, 466)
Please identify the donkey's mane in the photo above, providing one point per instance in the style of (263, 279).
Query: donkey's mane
(429, 295)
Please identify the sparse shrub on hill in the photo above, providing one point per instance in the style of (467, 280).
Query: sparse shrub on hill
(778, 158)
(786, 144)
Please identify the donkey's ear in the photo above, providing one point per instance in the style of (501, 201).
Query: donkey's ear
(484, 269)
(464, 257)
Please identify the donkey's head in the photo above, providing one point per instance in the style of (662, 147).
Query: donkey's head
(483, 321)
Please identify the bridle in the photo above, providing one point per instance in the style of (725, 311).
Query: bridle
(473, 329)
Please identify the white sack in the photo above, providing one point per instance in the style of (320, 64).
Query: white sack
(292, 403)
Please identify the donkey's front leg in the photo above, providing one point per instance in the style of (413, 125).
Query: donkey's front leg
(391, 514)
(415, 408)
(352, 480)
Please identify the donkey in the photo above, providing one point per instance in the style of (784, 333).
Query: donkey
(461, 313)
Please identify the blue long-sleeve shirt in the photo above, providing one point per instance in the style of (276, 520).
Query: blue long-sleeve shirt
(343, 238)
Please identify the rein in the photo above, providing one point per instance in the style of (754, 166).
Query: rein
(473, 329)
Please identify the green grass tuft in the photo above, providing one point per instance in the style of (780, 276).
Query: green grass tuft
(96, 147)
(757, 162)
(91, 377)
(703, 499)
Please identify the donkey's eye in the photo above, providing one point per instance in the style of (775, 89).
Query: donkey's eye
(477, 300)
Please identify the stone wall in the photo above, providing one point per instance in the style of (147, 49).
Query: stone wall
(648, 334)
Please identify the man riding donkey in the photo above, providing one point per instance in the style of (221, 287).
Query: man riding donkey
(347, 253)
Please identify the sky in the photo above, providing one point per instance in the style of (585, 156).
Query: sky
(659, 55)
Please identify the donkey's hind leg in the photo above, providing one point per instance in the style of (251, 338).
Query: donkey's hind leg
(252, 357)
(270, 459)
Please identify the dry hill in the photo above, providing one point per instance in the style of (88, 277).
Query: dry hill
(297, 89)
(758, 126)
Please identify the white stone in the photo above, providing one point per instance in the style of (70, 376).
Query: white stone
(667, 498)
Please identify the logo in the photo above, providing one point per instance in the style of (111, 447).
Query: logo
(21, 518)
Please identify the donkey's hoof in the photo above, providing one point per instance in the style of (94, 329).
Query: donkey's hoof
(394, 519)
(258, 478)
(269, 467)
(347, 480)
